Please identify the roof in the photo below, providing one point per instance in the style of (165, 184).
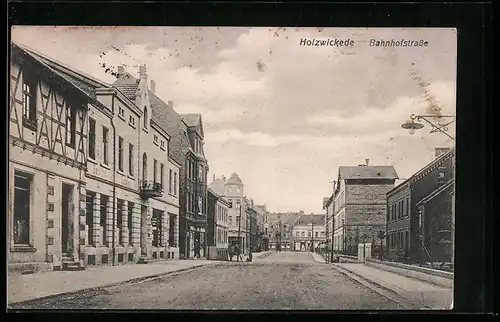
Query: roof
(305, 220)
(128, 85)
(191, 119)
(367, 172)
(436, 192)
(218, 186)
(218, 196)
(235, 179)
(286, 218)
(86, 84)
(423, 169)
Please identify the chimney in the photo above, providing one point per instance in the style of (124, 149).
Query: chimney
(223, 176)
(170, 104)
(367, 161)
(152, 86)
(439, 151)
(121, 70)
(142, 72)
(213, 177)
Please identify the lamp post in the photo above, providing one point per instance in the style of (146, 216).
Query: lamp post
(239, 233)
(438, 123)
(333, 230)
(312, 234)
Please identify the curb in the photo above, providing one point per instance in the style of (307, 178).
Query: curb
(97, 288)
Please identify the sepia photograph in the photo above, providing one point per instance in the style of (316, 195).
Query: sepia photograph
(228, 168)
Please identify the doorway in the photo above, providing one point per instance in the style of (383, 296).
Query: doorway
(66, 216)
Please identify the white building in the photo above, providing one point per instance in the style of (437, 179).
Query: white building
(308, 230)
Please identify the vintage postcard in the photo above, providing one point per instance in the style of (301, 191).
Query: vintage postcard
(231, 168)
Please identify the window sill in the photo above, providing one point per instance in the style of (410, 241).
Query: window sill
(131, 177)
(121, 117)
(155, 143)
(91, 160)
(172, 195)
(104, 165)
(121, 173)
(23, 249)
(145, 130)
(132, 125)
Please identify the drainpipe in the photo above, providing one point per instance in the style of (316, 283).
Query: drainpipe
(114, 178)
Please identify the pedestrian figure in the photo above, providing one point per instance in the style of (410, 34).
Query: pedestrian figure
(231, 252)
(249, 259)
(238, 253)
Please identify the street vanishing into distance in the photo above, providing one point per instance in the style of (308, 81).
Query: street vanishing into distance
(277, 280)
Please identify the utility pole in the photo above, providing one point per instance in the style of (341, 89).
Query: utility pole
(239, 235)
(312, 235)
(333, 220)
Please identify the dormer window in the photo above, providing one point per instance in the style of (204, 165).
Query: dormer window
(145, 125)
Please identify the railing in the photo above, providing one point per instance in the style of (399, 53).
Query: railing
(151, 189)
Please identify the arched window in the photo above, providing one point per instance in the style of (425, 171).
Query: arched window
(144, 167)
(145, 117)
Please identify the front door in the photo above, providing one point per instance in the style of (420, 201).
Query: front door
(66, 215)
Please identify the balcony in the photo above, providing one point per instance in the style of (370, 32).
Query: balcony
(151, 189)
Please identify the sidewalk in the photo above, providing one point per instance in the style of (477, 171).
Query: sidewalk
(418, 293)
(28, 287)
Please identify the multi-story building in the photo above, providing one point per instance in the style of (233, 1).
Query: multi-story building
(233, 191)
(280, 229)
(419, 213)
(186, 149)
(217, 224)
(111, 211)
(262, 225)
(360, 205)
(142, 160)
(328, 207)
(253, 231)
(47, 162)
(308, 232)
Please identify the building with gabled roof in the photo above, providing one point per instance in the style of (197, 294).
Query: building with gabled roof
(360, 205)
(308, 232)
(412, 225)
(186, 148)
(106, 203)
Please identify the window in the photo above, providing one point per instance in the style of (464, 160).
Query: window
(120, 154)
(155, 168)
(155, 139)
(131, 159)
(119, 220)
(175, 184)
(156, 223)
(105, 144)
(121, 112)
(303, 234)
(29, 101)
(130, 216)
(104, 210)
(161, 174)
(170, 181)
(237, 220)
(230, 220)
(296, 234)
(200, 205)
(407, 207)
(70, 126)
(131, 120)
(162, 145)
(316, 234)
(92, 138)
(145, 117)
(89, 221)
(144, 167)
(308, 234)
(200, 174)
(22, 207)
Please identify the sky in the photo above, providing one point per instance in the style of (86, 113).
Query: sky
(281, 115)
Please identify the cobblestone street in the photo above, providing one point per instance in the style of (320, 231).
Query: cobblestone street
(285, 280)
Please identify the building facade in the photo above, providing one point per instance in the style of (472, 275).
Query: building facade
(328, 207)
(111, 211)
(308, 233)
(412, 232)
(217, 224)
(360, 205)
(280, 229)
